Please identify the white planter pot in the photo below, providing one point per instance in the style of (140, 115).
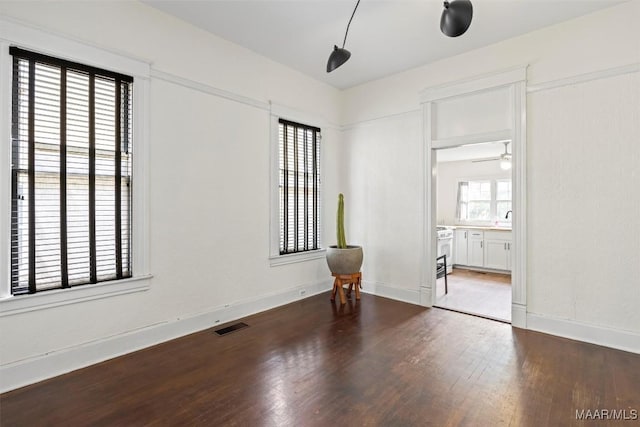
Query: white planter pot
(344, 261)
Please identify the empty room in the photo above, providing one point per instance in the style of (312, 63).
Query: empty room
(319, 213)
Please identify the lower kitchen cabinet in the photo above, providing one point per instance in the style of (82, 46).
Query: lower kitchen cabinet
(497, 250)
(484, 249)
(497, 254)
(476, 249)
(460, 239)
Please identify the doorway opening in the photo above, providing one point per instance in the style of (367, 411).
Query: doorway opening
(474, 237)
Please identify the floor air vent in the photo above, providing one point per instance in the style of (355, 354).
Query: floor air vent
(231, 328)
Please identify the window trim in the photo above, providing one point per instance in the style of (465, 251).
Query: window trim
(73, 295)
(28, 68)
(12, 33)
(278, 112)
(501, 221)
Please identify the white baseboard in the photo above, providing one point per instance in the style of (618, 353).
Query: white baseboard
(614, 338)
(518, 315)
(412, 296)
(426, 297)
(38, 368)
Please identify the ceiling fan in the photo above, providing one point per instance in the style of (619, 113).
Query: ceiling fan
(505, 158)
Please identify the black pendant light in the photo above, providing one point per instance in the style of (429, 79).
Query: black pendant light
(340, 55)
(455, 21)
(456, 17)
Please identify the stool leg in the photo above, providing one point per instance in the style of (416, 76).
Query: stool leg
(349, 289)
(343, 299)
(358, 284)
(335, 289)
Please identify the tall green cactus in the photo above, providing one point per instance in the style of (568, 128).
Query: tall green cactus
(342, 240)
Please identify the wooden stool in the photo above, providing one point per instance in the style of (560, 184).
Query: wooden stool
(344, 279)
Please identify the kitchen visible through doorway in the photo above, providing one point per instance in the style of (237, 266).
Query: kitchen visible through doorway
(473, 205)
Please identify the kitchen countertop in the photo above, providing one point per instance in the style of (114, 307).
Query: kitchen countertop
(475, 227)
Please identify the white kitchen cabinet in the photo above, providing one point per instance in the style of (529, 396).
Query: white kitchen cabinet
(497, 250)
(475, 251)
(496, 254)
(485, 249)
(460, 242)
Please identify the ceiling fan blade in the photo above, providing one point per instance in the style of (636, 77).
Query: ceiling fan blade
(485, 160)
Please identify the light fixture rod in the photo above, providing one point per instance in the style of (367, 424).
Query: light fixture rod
(350, 19)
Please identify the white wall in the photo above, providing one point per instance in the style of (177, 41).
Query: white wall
(584, 228)
(382, 199)
(209, 200)
(583, 277)
(209, 177)
(450, 173)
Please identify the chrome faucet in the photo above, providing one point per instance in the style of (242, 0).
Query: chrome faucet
(507, 215)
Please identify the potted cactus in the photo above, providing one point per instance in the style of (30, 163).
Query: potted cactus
(343, 258)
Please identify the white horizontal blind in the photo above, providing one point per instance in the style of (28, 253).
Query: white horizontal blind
(71, 173)
(299, 186)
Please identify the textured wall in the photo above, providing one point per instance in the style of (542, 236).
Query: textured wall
(584, 203)
(583, 142)
(209, 175)
(383, 201)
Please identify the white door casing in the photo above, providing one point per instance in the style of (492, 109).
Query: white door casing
(495, 108)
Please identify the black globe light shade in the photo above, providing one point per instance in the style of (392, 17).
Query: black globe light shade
(456, 17)
(338, 57)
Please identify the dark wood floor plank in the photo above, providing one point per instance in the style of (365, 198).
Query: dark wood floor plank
(313, 363)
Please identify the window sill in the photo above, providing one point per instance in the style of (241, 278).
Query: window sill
(295, 258)
(24, 303)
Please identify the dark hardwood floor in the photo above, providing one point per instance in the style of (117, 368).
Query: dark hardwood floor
(313, 363)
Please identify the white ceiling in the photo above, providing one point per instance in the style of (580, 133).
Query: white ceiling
(385, 37)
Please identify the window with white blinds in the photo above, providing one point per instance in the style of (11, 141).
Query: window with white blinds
(71, 174)
(299, 182)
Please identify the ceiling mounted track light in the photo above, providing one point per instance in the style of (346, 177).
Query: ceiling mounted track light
(455, 21)
(456, 17)
(340, 55)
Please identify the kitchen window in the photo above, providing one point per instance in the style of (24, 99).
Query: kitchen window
(71, 174)
(484, 202)
(503, 199)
